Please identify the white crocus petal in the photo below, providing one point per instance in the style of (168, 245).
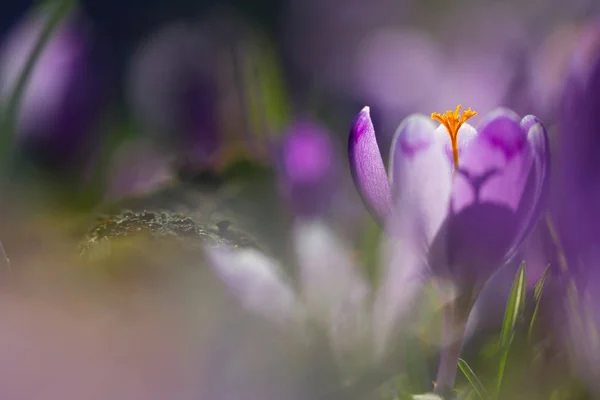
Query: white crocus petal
(254, 279)
(421, 176)
(334, 291)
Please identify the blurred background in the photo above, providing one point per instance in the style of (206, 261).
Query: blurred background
(136, 132)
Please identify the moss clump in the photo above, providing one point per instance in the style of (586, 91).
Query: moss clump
(161, 225)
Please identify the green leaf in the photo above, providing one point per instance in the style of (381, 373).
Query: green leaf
(514, 310)
(473, 379)
(537, 295)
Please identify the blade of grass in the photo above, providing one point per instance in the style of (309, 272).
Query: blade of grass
(537, 295)
(514, 309)
(473, 380)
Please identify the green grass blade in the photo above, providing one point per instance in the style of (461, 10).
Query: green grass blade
(537, 295)
(514, 309)
(473, 380)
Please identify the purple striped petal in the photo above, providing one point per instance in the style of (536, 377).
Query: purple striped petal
(495, 167)
(366, 166)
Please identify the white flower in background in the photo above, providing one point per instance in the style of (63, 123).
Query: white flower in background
(331, 294)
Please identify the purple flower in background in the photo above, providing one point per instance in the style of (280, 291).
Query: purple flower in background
(308, 169)
(174, 92)
(576, 213)
(575, 204)
(63, 97)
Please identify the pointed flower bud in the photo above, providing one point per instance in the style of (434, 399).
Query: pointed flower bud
(367, 166)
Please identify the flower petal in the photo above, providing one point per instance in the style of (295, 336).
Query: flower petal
(333, 290)
(421, 176)
(255, 281)
(539, 179)
(496, 164)
(367, 166)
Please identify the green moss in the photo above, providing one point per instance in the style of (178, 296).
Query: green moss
(156, 225)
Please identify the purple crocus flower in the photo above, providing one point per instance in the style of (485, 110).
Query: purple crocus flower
(465, 198)
(473, 197)
(63, 96)
(308, 170)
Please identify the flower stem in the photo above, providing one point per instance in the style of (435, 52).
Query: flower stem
(455, 317)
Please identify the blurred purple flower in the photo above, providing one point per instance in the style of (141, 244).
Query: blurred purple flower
(308, 169)
(470, 198)
(552, 64)
(577, 177)
(174, 92)
(400, 69)
(63, 97)
(576, 213)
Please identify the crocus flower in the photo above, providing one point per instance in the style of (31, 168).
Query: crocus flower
(63, 97)
(466, 198)
(308, 170)
(473, 196)
(332, 294)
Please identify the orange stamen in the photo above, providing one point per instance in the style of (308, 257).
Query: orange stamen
(452, 120)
